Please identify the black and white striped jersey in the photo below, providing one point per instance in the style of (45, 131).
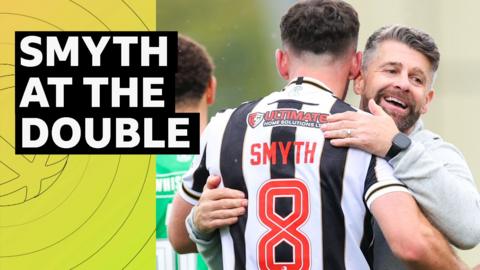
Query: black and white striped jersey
(307, 200)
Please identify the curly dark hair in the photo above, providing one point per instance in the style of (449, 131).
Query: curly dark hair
(320, 27)
(195, 68)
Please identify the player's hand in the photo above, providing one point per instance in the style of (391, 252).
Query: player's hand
(372, 133)
(476, 267)
(218, 207)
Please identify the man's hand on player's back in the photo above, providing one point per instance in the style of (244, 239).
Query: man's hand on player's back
(218, 207)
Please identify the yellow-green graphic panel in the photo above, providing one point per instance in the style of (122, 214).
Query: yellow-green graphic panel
(72, 211)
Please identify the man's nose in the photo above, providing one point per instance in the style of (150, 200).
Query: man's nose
(402, 82)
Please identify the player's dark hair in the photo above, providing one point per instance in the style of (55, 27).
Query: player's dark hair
(320, 27)
(413, 38)
(195, 68)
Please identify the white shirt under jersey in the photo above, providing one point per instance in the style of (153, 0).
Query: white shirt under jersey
(307, 200)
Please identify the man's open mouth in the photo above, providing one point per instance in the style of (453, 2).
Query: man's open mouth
(396, 102)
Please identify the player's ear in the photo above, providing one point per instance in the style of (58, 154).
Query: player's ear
(211, 90)
(281, 61)
(355, 66)
(359, 83)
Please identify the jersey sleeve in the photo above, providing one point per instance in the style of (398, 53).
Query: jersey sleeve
(206, 162)
(380, 181)
(196, 176)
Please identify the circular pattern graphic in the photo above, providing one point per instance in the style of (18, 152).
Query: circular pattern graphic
(23, 178)
(71, 211)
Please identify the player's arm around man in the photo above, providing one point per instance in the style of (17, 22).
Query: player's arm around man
(418, 240)
(434, 170)
(418, 244)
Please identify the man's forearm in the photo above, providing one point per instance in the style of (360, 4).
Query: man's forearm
(208, 244)
(177, 232)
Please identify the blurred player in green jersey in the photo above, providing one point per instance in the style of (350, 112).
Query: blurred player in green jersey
(195, 88)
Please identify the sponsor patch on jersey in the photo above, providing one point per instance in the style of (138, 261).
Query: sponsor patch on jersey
(254, 119)
(286, 117)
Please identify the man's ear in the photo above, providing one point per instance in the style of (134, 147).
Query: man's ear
(428, 98)
(281, 61)
(211, 90)
(355, 66)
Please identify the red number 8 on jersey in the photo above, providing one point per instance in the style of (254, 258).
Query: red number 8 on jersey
(283, 224)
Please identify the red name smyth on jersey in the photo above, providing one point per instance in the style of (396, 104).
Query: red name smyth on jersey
(263, 153)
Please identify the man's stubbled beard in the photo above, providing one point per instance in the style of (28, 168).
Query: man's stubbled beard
(404, 123)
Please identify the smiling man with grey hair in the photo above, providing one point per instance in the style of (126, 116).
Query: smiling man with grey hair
(396, 86)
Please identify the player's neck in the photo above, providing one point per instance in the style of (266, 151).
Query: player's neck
(333, 78)
(201, 108)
